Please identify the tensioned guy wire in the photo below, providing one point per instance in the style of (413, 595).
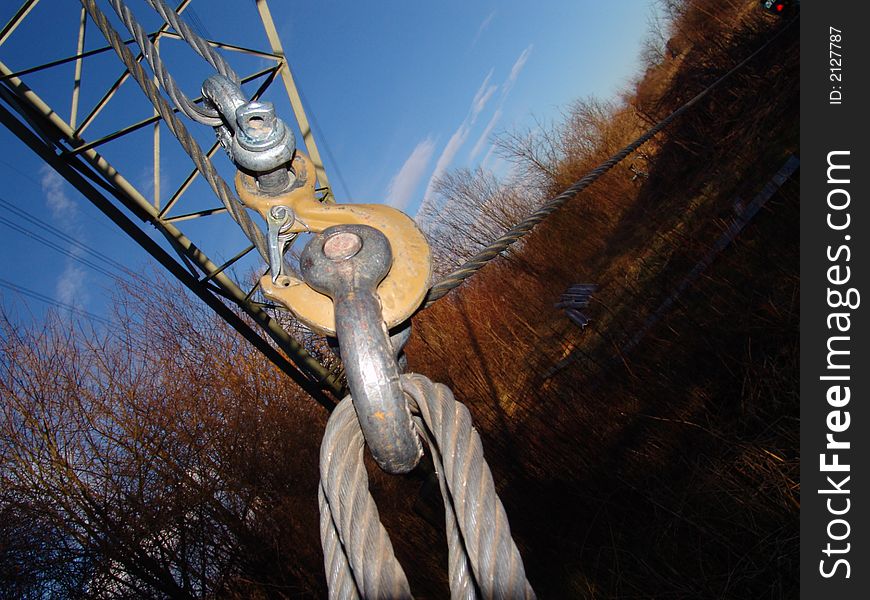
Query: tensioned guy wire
(497, 246)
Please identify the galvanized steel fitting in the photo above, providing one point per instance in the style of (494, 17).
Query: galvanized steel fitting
(254, 137)
(262, 142)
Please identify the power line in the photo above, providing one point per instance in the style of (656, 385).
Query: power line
(12, 167)
(45, 133)
(56, 303)
(324, 143)
(34, 220)
(57, 248)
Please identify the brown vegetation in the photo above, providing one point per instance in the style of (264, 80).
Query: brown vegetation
(166, 458)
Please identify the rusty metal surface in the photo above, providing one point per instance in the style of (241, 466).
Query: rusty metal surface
(347, 262)
(401, 291)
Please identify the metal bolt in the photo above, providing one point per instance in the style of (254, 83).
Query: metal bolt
(342, 246)
(279, 212)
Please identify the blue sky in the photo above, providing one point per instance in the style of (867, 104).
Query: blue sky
(397, 91)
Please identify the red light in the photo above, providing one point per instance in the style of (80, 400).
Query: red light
(779, 7)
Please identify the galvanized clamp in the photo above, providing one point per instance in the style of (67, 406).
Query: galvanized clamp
(347, 262)
(252, 134)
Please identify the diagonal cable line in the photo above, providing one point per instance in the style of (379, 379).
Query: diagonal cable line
(324, 143)
(56, 247)
(497, 246)
(180, 131)
(36, 221)
(5, 283)
(207, 115)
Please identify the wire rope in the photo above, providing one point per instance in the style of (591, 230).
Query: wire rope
(499, 245)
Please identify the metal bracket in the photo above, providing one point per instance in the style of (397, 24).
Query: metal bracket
(403, 288)
(278, 221)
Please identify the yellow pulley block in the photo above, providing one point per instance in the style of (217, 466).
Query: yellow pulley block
(401, 291)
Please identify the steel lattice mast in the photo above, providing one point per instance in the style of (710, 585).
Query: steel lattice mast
(67, 146)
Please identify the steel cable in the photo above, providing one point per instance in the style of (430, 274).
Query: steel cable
(497, 246)
(178, 129)
(199, 45)
(481, 533)
(201, 114)
(358, 555)
(483, 560)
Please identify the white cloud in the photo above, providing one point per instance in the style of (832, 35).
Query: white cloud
(506, 88)
(482, 97)
(484, 94)
(484, 164)
(483, 27)
(515, 70)
(484, 137)
(71, 286)
(405, 181)
(456, 141)
(58, 202)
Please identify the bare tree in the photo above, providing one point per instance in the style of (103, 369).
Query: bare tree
(474, 209)
(150, 460)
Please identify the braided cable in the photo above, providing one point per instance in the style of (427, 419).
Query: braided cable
(357, 549)
(483, 560)
(201, 114)
(497, 246)
(339, 579)
(482, 523)
(177, 128)
(458, 567)
(199, 45)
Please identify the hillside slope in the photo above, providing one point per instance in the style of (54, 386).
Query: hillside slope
(651, 457)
